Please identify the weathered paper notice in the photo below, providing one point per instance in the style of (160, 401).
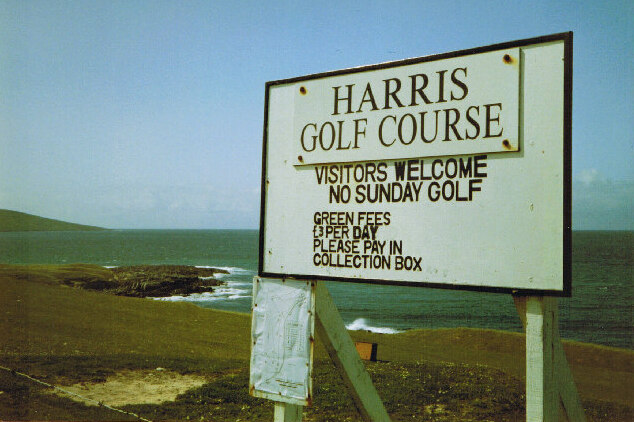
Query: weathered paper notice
(281, 331)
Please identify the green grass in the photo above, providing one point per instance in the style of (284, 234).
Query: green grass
(14, 221)
(601, 373)
(41, 319)
(63, 335)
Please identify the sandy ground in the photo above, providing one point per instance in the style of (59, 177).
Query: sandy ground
(135, 387)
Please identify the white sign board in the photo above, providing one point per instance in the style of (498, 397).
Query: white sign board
(282, 332)
(455, 106)
(447, 171)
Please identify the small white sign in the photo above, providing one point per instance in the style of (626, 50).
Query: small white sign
(282, 340)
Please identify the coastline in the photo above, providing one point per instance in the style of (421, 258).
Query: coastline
(154, 281)
(602, 263)
(68, 336)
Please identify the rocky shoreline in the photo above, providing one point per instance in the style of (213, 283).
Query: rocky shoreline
(164, 280)
(134, 281)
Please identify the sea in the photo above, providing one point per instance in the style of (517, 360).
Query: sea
(600, 310)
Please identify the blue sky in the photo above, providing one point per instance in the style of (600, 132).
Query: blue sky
(149, 114)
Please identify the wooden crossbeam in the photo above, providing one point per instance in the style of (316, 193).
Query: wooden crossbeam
(333, 334)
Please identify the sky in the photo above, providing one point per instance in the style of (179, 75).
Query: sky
(149, 114)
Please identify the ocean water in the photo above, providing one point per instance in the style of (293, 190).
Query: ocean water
(600, 311)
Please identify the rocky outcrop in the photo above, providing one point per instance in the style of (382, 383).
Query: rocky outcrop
(162, 280)
(136, 281)
(139, 280)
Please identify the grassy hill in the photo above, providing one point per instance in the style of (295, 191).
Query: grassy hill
(14, 221)
(65, 336)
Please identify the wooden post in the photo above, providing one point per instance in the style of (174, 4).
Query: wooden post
(336, 339)
(568, 393)
(542, 401)
(549, 381)
(286, 412)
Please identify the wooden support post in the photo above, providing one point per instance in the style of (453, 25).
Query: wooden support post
(568, 393)
(549, 381)
(333, 334)
(286, 412)
(542, 401)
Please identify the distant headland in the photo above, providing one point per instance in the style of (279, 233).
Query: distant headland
(15, 221)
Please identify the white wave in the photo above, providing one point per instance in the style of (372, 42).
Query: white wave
(361, 324)
(236, 283)
(219, 293)
(196, 297)
(229, 291)
(110, 266)
(231, 270)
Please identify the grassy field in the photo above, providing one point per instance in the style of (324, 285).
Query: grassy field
(66, 336)
(14, 221)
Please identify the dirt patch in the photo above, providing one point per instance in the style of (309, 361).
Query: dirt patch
(135, 387)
